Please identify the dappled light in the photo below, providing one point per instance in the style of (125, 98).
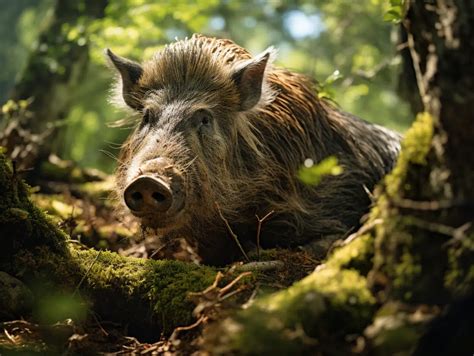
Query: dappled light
(236, 177)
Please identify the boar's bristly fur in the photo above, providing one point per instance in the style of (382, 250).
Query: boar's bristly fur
(221, 129)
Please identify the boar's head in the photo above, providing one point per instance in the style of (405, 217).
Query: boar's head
(189, 153)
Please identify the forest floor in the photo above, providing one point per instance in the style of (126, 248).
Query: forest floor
(87, 212)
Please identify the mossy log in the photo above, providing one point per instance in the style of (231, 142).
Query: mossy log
(149, 296)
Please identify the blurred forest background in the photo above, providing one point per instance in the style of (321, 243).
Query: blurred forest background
(354, 57)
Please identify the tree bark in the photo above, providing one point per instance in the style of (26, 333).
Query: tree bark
(441, 41)
(429, 200)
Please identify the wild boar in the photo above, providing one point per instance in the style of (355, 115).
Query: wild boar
(222, 136)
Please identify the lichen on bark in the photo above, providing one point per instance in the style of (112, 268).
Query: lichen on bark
(417, 258)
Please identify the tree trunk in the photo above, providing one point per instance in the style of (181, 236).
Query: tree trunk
(428, 207)
(53, 71)
(441, 41)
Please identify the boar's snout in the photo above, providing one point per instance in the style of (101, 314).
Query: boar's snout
(148, 195)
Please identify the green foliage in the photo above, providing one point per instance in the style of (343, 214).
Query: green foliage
(345, 41)
(396, 11)
(313, 173)
(326, 90)
(18, 21)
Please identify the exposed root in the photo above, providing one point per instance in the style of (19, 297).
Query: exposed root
(174, 335)
(208, 300)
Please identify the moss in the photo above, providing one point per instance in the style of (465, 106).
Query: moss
(168, 284)
(314, 314)
(411, 259)
(420, 261)
(22, 225)
(415, 148)
(100, 189)
(56, 205)
(150, 296)
(407, 271)
(356, 255)
(404, 248)
(459, 277)
(394, 335)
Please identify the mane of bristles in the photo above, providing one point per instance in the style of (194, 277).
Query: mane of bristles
(197, 64)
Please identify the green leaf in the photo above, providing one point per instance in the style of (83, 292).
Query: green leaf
(395, 11)
(312, 174)
(326, 90)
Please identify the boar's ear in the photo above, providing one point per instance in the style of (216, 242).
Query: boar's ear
(249, 80)
(130, 72)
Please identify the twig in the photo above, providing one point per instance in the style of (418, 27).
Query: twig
(250, 299)
(364, 229)
(457, 233)
(9, 336)
(231, 284)
(259, 228)
(261, 266)
(158, 250)
(198, 322)
(218, 278)
(100, 325)
(231, 294)
(426, 205)
(423, 79)
(234, 236)
(420, 80)
(85, 274)
(212, 287)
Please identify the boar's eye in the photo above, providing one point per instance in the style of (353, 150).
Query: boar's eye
(202, 119)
